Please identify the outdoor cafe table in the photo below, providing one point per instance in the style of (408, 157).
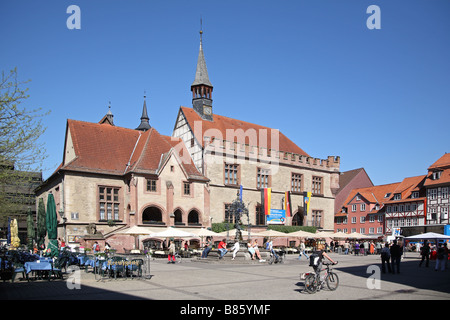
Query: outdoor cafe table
(82, 260)
(38, 266)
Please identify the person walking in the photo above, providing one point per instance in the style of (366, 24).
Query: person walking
(396, 254)
(440, 262)
(385, 256)
(425, 253)
(302, 249)
(346, 247)
(171, 253)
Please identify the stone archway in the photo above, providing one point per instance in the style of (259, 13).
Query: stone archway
(298, 218)
(152, 215)
(178, 220)
(193, 217)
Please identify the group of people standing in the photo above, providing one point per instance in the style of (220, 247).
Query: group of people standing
(252, 248)
(364, 248)
(441, 255)
(391, 256)
(394, 253)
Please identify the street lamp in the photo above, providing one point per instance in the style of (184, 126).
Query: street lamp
(62, 214)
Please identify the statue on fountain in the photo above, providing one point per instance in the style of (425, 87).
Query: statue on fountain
(237, 210)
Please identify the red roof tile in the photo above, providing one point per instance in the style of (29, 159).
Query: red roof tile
(222, 124)
(107, 149)
(441, 163)
(375, 194)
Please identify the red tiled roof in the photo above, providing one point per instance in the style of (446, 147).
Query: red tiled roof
(102, 148)
(375, 194)
(441, 163)
(444, 179)
(222, 124)
(408, 185)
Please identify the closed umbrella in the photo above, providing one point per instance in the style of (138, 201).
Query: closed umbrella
(41, 228)
(52, 224)
(30, 229)
(8, 236)
(15, 241)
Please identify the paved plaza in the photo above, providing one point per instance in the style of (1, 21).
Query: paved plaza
(230, 280)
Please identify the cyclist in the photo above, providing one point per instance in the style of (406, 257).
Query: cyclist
(270, 248)
(316, 260)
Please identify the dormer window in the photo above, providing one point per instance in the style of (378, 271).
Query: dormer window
(436, 175)
(415, 195)
(397, 196)
(387, 195)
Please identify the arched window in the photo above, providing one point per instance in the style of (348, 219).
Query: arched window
(152, 215)
(178, 217)
(193, 217)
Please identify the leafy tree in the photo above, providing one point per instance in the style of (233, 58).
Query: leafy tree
(20, 151)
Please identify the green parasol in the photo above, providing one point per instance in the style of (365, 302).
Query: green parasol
(41, 230)
(52, 224)
(30, 229)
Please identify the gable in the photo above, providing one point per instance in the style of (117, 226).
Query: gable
(224, 128)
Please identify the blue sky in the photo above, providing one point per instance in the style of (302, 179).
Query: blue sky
(379, 99)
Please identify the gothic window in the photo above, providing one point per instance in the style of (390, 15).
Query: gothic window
(317, 185)
(231, 174)
(296, 182)
(262, 178)
(108, 203)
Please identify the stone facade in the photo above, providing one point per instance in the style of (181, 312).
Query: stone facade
(171, 194)
(281, 165)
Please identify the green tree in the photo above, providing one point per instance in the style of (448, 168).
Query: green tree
(21, 152)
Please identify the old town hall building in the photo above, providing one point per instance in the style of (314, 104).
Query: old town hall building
(112, 178)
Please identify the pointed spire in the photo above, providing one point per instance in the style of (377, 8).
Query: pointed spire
(108, 117)
(201, 74)
(109, 114)
(145, 125)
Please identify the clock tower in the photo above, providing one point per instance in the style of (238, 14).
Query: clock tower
(202, 88)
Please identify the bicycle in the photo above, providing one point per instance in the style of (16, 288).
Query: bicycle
(314, 283)
(279, 259)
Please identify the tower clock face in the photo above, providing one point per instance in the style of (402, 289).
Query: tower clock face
(207, 110)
